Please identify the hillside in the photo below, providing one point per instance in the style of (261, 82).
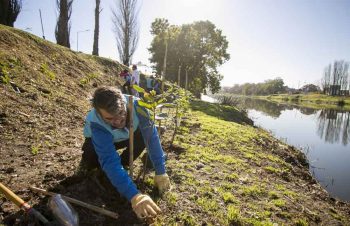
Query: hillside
(45, 93)
(224, 171)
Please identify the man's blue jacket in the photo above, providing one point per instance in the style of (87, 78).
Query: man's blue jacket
(104, 136)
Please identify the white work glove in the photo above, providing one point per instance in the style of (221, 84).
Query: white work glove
(144, 207)
(162, 182)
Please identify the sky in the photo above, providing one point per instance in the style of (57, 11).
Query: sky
(291, 39)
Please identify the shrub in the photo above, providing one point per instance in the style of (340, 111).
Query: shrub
(341, 102)
(227, 100)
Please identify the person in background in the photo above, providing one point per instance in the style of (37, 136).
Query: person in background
(106, 130)
(135, 79)
(150, 83)
(157, 85)
(127, 78)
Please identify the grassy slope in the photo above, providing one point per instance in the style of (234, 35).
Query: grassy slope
(230, 173)
(42, 108)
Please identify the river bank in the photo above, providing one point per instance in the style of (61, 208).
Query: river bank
(310, 100)
(228, 172)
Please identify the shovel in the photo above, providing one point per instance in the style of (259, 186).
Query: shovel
(77, 202)
(61, 210)
(22, 204)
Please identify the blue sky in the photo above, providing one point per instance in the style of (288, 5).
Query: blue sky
(291, 39)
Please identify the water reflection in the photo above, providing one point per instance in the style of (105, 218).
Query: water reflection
(333, 126)
(271, 108)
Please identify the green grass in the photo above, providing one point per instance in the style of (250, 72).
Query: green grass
(87, 79)
(233, 215)
(241, 178)
(171, 198)
(45, 69)
(301, 222)
(279, 202)
(272, 169)
(35, 149)
(224, 112)
(228, 197)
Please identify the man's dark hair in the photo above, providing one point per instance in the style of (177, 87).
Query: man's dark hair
(108, 98)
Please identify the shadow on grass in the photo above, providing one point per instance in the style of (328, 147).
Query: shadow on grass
(224, 112)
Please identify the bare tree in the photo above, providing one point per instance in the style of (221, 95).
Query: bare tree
(63, 26)
(97, 27)
(126, 29)
(344, 75)
(325, 83)
(335, 80)
(9, 10)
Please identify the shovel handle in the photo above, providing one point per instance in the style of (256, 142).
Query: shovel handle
(79, 203)
(14, 198)
(22, 204)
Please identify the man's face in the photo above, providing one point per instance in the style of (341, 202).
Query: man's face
(117, 121)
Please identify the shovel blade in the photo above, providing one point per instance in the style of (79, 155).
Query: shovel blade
(63, 211)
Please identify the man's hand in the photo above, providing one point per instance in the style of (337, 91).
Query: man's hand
(144, 206)
(162, 182)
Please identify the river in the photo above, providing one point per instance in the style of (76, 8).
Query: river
(322, 134)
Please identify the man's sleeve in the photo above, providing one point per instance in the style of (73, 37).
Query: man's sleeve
(151, 139)
(110, 161)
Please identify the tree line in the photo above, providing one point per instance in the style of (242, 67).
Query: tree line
(270, 86)
(335, 82)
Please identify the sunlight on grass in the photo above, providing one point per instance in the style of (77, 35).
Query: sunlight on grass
(228, 198)
(233, 215)
(172, 198)
(208, 205)
(253, 191)
(279, 202)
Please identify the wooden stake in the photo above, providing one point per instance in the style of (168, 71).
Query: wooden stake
(131, 136)
(178, 76)
(79, 203)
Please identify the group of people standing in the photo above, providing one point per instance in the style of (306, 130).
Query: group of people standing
(133, 78)
(130, 80)
(153, 83)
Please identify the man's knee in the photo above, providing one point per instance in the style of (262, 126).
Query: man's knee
(89, 158)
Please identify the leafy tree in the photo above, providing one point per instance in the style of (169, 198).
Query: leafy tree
(63, 26)
(126, 28)
(97, 27)
(199, 48)
(9, 10)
